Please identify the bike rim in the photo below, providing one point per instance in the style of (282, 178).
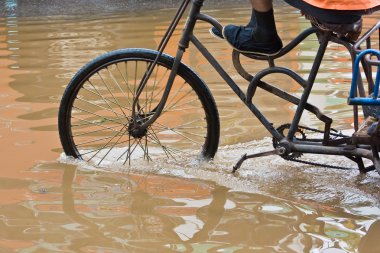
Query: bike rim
(100, 116)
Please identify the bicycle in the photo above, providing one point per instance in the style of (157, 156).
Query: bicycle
(125, 105)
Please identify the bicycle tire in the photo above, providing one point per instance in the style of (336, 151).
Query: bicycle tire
(93, 116)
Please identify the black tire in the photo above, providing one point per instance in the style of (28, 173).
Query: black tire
(95, 111)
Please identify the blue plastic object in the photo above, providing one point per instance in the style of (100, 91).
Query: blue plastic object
(373, 99)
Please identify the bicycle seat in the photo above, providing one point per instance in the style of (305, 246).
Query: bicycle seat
(351, 31)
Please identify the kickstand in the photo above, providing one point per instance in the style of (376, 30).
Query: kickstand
(245, 157)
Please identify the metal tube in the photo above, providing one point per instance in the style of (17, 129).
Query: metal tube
(235, 88)
(161, 105)
(218, 67)
(211, 21)
(327, 150)
(310, 82)
(161, 48)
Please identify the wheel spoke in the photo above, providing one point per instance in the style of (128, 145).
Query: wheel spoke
(112, 147)
(181, 134)
(128, 148)
(113, 96)
(113, 137)
(174, 104)
(128, 158)
(99, 149)
(100, 116)
(99, 139)
(166, 149)
(106, 109)
(96, 131)
(153, 136)
(160, 91)
(183, 126)
(126, 83)
(106, 100)
(153, 89)
(116, 82)
(89, 123)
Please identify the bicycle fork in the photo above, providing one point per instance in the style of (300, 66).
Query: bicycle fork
(138, 128)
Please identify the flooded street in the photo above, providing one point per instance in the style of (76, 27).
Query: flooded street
(51, 203)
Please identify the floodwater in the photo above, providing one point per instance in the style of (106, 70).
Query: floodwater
(50, 203)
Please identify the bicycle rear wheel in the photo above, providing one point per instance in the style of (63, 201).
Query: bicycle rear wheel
(95, 111)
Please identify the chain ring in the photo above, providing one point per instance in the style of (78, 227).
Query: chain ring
(275, 143)
(294, 157)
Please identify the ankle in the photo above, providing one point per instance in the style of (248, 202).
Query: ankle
(265, 21)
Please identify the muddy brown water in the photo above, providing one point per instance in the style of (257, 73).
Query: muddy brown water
(49, 203)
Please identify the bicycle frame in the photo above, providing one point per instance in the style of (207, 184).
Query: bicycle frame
(287, 144)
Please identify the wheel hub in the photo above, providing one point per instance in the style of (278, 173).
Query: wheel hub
(136, 131)
(135, 128)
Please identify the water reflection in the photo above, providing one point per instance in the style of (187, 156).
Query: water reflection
(85, 211)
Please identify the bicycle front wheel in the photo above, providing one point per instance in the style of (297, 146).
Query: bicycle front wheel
(96, 108)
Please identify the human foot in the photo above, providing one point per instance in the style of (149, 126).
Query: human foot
(252, 40)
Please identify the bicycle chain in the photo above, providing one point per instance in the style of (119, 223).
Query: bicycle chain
(318, 164)
(295, 159)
